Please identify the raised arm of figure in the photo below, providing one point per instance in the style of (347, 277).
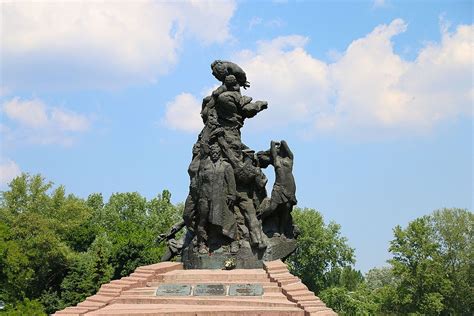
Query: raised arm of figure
(285, 147)
(274, 153)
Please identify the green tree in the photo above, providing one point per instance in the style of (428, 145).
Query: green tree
(56, 249)
(25, 307)
(417, 262)
(377, 278)
(88, 272)
(453, 232)
(132, 224)
(345, 302)
(382, 284)
(321, 248)
(346, 277)
(35, 254)
(433, 258)
(14, 270)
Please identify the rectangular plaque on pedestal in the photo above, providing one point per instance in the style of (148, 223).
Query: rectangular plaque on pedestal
(245, 290)
(209, 290)
(173, 290)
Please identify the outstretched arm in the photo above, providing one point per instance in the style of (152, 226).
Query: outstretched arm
(274, 152)
(250, 109)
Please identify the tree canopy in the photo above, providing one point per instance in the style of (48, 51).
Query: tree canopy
(56, 249)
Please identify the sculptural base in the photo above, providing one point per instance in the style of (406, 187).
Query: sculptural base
(165, 289)
(245, 258)
(279, 248)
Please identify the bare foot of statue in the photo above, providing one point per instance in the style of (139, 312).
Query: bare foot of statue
(234, 247)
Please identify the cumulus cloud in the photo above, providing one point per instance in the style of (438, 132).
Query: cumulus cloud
(377, 92)
(37, 122)
(282, 72)
(102, 44)
(183, 113)
(8, 170)
(368, 90)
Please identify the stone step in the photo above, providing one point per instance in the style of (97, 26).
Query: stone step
(89, 304)
(195, 310)
(267, 287)
(73, 311)
(205, 272)
(100, 298)
(109, 293)
(160, 267)
(265, 282)
(123, 281)
(148, 292)
(221, 277)
(319, 311)
(151, 291)
(192, 300)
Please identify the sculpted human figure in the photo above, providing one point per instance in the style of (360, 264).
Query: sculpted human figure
(175, 245)
(249, 179)
(191, 200)
(227, 194)
(232, 108)
(221, 69)
(217, 193)
(283, 196)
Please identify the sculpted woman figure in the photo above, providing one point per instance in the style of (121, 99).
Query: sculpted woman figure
(283, 196)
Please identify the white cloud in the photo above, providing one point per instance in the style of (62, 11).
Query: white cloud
(206, 20)
(272, 23)
(8, 170)
(40, 123)
(369, 91)
(379, 3)
(254, 22)
(283, 73)
(102, 44)
(31, 113)
(363, 82)
(183, 113)
(69, 121)
(379, 93)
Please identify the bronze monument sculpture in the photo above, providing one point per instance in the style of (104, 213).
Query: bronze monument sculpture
(227, 214)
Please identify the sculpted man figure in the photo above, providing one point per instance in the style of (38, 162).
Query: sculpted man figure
(217, 193)
(248, 178)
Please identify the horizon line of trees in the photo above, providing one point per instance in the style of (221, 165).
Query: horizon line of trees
(56, 249)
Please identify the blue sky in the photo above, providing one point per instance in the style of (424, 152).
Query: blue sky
(374, 98)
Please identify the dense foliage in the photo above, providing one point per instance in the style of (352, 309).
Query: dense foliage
(431, 272)
(321, 253)
(57, 249)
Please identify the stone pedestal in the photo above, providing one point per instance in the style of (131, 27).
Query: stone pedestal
(166, 289)
(246, 257)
